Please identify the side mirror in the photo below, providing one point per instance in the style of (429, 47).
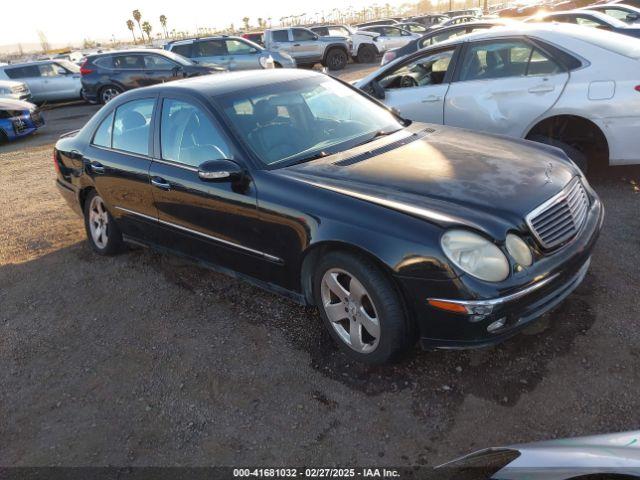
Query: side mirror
(632, 17)
(220, 171)
(377, 90)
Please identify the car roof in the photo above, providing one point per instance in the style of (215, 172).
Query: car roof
(186, 41)
(226, 82)
(27, 64)
(131, 50)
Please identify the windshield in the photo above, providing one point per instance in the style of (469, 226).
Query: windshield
(177, 58)
(71, 67)
(290, 122)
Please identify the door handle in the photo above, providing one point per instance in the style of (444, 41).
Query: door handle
(431, 99)
(161, 183)
(296, 44)
(542, 89)
(97, 167)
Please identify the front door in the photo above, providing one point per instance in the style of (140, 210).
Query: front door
(129, 70)
(159, 69)
(214, 221)
(242, 56)
(503, 86)
(118, 159)
(417, 88)
(211, 52)
(306, 45)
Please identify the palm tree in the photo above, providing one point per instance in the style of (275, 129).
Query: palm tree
(130, 26)
(146, 26)
(137, 16)
(163, 22)
(260, 20)
(245, 20)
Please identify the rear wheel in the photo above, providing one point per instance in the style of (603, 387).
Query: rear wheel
(360, 308)
(102, 231)
(366, 54)
(109, 92)
(336, 59)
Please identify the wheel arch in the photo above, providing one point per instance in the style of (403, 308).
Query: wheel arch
(333, 46)
(83, 194)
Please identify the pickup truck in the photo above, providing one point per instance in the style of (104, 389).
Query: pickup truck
(308, 48)
(364, 46)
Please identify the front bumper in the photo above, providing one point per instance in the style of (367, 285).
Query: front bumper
(514, 309)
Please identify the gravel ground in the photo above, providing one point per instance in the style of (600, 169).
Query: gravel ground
(143, 359)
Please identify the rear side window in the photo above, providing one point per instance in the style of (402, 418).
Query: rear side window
(132, 62)
(102, 137)
(30, 71)
(322, 31)
(188, 136)
(184, 50)
(104, 62)
(131, 126)
(48, 70)
(280, 36)
(237, 47)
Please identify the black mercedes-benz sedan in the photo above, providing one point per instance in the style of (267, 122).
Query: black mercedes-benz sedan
(307, 187)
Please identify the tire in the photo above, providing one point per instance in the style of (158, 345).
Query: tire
(3, 138)
(573, 153)
(336, 59)
(366, 54)
(108, 93)
(277, 65)
(109, 241)
(366, 318)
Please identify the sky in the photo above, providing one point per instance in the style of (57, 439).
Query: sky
(64, 21)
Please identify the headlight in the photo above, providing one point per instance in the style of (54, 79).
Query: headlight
(475, 255)
(267, 62)
(519, 250)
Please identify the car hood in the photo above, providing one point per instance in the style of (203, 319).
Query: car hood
(10, 104)
(446, 175)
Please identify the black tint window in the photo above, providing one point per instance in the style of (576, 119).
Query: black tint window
(128, 61)
(210, 48)
(322, 31)
(496, 60)
(104, 62)
(184, 50)
(23, 72)
(541, 64)
(300, 35)
(280, 36)
(188, 136)
(156, 62)
(102, 136)
(132, 125)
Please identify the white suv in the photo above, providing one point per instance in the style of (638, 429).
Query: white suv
(364, 45)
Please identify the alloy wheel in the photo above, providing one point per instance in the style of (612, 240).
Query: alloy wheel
(109, 93)
(350, 310)
(99, 222)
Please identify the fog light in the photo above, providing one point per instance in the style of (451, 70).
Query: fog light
(496, 325)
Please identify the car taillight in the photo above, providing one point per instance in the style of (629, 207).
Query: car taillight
(84, 70)
(56, 165)
(637, 88)
(388, 57)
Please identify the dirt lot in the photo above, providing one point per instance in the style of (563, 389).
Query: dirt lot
(142, 359)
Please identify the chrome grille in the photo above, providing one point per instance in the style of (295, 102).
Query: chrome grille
(559, 219)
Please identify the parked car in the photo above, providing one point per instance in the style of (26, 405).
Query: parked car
(255, 37)
(391, 36)
(18, 119)
(592, 19)
(613, 456)
(232, 53)
(48, 80)
(429, 20)
(469, 12)
(456, 21)
(309, 48)
(619, 11)
(572, 87)
(631, 3)
(364, 45)
(373, 23)
(14, 90)
(413, 27)
(106, 75)
(439, 35)
(307, 187)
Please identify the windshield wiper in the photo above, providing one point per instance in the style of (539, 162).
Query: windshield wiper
(315, 156)
(378, 134)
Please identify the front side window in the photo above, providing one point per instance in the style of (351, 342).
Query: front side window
(131, 126)
(280, 36)
(48, 70)
(589, 22)
(391, 32)
(210, 48)
(156, 62)
(295, 121)
(129, 62)
(427, 70)
(453, 33)
(188, 136)
(102, 137)
(237, 47)
(300, 35)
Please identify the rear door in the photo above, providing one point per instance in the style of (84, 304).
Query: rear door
(128, 71)
(211, 52)
(242, 56)
(417, 87)
(118, 159)
(502, 86)
(280, 41)
(215, 221)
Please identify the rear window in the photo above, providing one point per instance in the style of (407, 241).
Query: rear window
(29, 71)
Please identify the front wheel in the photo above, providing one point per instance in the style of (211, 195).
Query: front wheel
(336, 59)
(103, 233)
(360, 308)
